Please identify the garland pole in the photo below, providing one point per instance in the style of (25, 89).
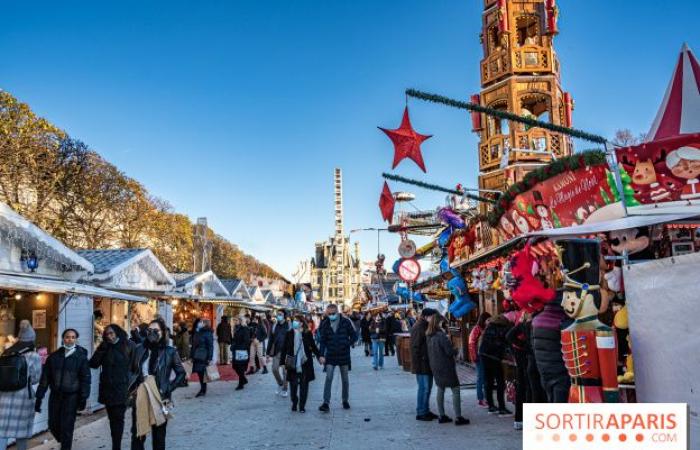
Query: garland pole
(435, 98)
(434, 187)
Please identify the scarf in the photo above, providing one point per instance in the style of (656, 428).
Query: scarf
(149, 407)
(69, 351)
(299, 353)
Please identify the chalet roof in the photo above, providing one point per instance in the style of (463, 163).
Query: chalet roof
(182, 278)
(105, 260)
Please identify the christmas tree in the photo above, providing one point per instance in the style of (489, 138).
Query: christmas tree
(627, 189)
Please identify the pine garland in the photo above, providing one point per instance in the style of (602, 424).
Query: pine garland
(573, 162)
(434, 187)
(435, 98)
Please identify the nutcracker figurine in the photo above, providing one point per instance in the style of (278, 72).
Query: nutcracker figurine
(588, 345)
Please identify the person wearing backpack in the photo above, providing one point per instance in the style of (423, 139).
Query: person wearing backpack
(67, 373)
(117, 356)
(20, 368)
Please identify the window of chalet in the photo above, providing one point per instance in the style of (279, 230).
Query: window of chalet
(528, 30)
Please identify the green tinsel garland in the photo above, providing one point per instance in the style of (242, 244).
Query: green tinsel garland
(435, 98)
(573, 162)
(434, 187)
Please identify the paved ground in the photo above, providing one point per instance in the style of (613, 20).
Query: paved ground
(382, 417)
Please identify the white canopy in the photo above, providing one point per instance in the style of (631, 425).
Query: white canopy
(35, 284)
(13, 224)
(612, 225)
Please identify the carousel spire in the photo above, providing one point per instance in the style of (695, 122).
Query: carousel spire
(680, 109)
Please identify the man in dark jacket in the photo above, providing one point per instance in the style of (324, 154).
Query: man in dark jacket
(420, 366)
(391, 328)
(116, 355)
(274, 349)
(223, 337)
(492, 351)
(336, 335)
(67, 373)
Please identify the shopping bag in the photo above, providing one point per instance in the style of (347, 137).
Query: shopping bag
(212, 374)
(188, 367)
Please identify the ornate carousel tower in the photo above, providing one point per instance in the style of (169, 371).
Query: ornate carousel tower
(520, 73)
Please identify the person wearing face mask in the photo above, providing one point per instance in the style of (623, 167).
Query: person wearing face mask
(116, 356)
(202, 352)
(378, 333)
(160, 367)
(67, 373)
(336, 336)
(274, 350)
(297, 353)
(239, 348)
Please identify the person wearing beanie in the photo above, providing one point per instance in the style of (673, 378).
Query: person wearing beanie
(17, 407)
(420, 366)
(67, 373)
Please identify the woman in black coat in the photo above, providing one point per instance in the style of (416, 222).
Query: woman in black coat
(160, 360)
(202, 351)
(297, 339)
(67, 373)
(116, 355)
(240, 349)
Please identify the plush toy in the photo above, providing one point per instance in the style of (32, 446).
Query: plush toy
(527, 291)
(451, 218)
(621, 322)
(463, 303)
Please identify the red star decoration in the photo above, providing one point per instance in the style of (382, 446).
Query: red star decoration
(406, 142)
(386, 203)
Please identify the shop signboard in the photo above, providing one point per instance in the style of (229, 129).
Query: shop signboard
(572, 197)
(664, 175)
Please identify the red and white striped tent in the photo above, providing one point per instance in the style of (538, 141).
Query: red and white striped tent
(665, 168)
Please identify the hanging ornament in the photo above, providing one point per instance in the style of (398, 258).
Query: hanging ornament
(387, 203)
(406, 142)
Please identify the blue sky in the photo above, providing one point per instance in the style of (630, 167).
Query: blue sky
(239, 111)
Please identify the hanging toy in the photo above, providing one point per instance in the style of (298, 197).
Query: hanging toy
(451, 218)
(528, 292)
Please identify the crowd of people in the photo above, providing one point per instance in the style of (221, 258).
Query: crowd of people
(141, 370)
(140, 374)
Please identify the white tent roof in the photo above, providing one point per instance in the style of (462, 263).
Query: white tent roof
(16, 225)
(612, 225)
(35, 284)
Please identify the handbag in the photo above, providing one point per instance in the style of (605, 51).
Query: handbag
(200, 354)
(241, 355)
(212, 374)
(290, 361)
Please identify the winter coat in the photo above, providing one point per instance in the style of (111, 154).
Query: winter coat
(224, 333)
(310, 349)
(69, 375)
(202, 349)
(441, 355)
(182, 343)
(119, 369)
(474, 337)
(546, 341)
(258, 331)
(335, 345)
(519, 338)
(364, 329)
(392, 326)
(17, 408)
(378, 330)
(241, 341)
(167, 363)
(420, 364)
(276, 341)
(493, 342)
